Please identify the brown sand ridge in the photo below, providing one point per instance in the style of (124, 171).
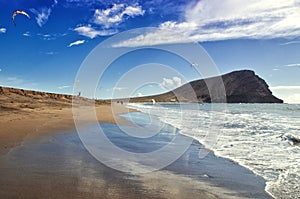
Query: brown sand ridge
(26, 114)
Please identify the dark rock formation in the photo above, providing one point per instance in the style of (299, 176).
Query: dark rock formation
(240, 87)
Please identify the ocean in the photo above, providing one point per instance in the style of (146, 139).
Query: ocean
(256, 136)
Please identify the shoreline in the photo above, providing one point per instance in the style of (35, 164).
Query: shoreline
(234, 162)
(37, 167)
(211, 183)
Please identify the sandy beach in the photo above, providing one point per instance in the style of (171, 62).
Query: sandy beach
(18, 125)
(28, 114)
(41, 156)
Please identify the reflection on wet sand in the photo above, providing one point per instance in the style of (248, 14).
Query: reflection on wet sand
(59, 166)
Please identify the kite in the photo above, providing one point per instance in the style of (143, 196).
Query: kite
(18, 12)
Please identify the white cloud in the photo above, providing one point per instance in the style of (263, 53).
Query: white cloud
(0, 70)
(116, 14)
(64, 87)
(132, 11)
(167, 83)
(290, 42)
(177, 81)
(75, 43)
(171, 83)
(49, 37)
(90, 32)
(120, 88)
(26, 34)
(292, 65)
(2, 30)
(212, 20)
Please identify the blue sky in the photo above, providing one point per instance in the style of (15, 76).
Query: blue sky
(45, 52)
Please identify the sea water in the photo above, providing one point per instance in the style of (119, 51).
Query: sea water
(249, 134)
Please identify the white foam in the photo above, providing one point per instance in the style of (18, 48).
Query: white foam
(247, 134)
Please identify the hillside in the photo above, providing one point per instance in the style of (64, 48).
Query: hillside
(241, 87)
(13, 99)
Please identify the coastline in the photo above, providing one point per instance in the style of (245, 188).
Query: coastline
(59, 166)
(51, 147)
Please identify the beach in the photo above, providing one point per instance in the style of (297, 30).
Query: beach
(17, 125)
(42, 156)
(28, 114)
(51, 162)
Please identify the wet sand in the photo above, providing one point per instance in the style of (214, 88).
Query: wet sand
(59, 166)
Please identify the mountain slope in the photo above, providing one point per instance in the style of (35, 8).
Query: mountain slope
(240, 87)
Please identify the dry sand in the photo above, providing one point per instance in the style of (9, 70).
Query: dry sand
(27, 114)
(23, 124)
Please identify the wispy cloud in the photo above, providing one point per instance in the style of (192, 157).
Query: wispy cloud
(14, 80)
(285, 88)
(26, 34)
(84, 3)
(90, 32)
(63, 87)
(49, 37)
(11, 81)
(17, 81)
(290, 42)
(116, 14)
(292, 65)
(120, 88)
(43, 14)
(212, 20)
(76, 43)
(2, 30)
(50, 53)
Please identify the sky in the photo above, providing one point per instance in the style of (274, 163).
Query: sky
(46, 51)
